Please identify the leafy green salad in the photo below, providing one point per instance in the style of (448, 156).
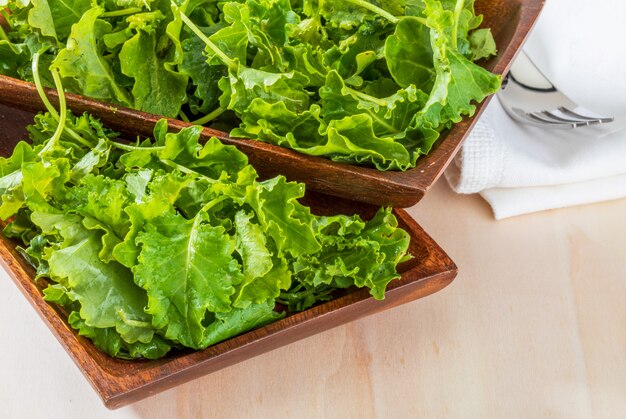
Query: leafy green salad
(167, 243)
(370, 82)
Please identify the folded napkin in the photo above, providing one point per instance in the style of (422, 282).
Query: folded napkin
(519, 168)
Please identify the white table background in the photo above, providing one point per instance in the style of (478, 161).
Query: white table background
(533, 327)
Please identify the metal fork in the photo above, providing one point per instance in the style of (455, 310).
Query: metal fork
(529, 97)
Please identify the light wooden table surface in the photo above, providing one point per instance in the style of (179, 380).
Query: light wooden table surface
(534, 326)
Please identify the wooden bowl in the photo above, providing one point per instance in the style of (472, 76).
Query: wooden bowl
(120, 382)
(510, 21)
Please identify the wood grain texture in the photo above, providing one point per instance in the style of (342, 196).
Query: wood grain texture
(120, 382)
(510, 20)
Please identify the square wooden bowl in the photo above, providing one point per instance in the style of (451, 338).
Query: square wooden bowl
(120, 382)
(510, 21)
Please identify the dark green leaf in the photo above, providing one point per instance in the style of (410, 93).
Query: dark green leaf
(187, 268)
(157, 89)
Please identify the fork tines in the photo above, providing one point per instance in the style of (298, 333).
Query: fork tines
(527, 95)
(562, 116)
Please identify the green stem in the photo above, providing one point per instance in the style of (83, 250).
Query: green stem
(230, 63)
(364, 96)
(46, 102)
(39, 86)
(63, 111)
(3, 35)
(318, 13)
(421, 20)
(182, 116)
(209, 117)
(213, 203)
(123, 12)
(373, 8)
(128, 147)
(457, 14)
(78, 138)
(186, 170)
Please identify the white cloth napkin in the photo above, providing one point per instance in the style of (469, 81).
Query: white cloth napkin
(520, 169)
